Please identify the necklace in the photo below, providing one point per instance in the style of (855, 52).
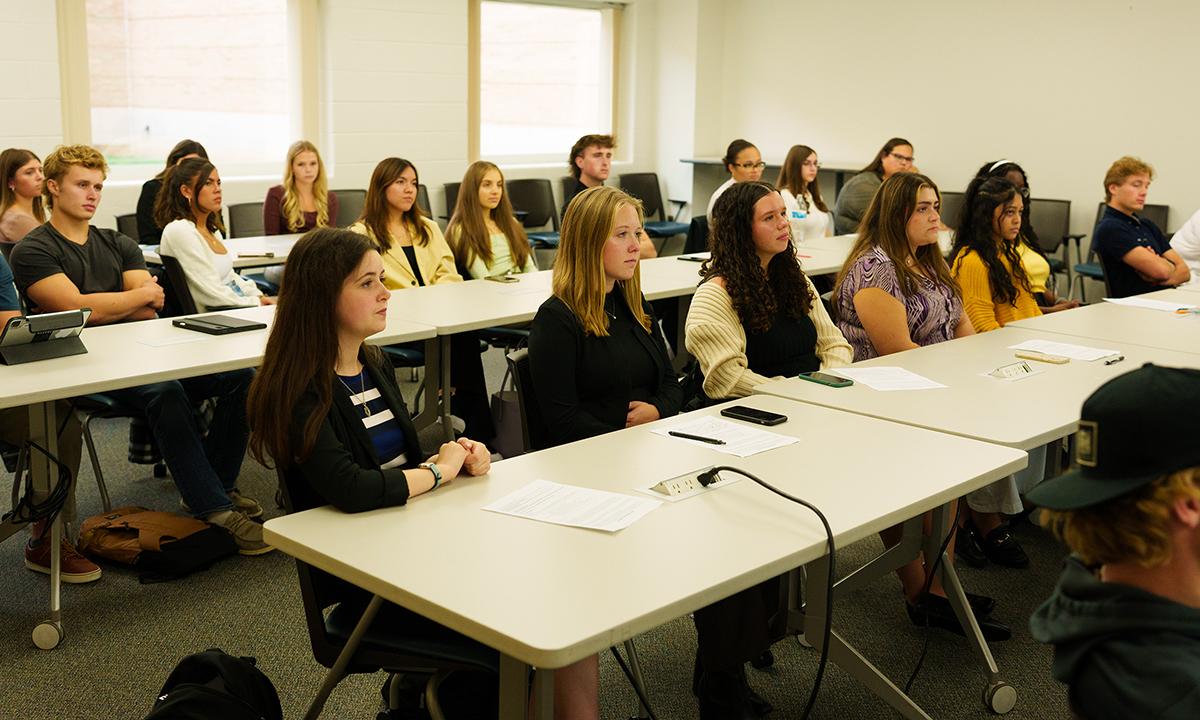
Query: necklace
(362, 394)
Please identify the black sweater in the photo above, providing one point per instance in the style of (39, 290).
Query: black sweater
(582, 382)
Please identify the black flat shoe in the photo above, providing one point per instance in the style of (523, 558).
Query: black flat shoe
(764, 661)
(966, 547)
(724, 696)
(1003, 549)
(759, 704)
(941, 616)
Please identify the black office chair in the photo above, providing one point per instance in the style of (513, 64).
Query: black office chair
(379, 649)
(536, 437)
(952, 203)
(127, 225)
(350, 206)
(178, 298)
(246, 220)
(1094, 270)
(697, 236)
(451, 191)
(535, 197)
(1051, 222)
(644, 187)
(423, 201)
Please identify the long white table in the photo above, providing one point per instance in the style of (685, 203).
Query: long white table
(1120, 324)
(1023, 413)
(249, 252)
(126, 355)
(546, 596)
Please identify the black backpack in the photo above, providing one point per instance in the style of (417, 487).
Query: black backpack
(213, 684)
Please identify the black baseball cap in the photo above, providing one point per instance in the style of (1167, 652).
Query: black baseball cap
(1133, 430)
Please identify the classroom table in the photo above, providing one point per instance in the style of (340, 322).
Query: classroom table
(125, 355)
(1192, 287)
(546, 595)
(249, 252)
(1121, 324)
(1024, 414)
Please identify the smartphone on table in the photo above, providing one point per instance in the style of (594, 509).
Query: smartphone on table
(826, 379)
(503, 278)
(749, 414)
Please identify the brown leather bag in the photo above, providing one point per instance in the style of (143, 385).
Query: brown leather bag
(162, 545)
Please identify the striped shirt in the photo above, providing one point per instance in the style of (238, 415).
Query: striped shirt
(377, 418)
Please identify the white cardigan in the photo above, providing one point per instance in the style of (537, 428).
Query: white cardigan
(182, 241)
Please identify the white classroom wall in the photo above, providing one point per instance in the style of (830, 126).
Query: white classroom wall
(394, 82)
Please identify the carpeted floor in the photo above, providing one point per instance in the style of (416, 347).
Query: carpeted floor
(122, 638)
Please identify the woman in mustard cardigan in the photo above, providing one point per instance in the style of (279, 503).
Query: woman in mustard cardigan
(986, 263)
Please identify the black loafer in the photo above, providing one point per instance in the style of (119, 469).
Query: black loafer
(966, 547)
(766, 660)
(941, 616)
(759, 704)
(1003, 549)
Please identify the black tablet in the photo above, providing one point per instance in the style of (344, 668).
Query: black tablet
(217, 324)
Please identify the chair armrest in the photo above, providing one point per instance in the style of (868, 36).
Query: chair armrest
(679, 206)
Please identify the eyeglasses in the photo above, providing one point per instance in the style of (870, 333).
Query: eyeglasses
(902, 158)
(751, 166)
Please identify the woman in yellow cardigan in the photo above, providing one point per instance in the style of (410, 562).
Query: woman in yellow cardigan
(996, 290)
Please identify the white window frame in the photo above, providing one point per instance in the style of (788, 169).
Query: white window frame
(305, 92)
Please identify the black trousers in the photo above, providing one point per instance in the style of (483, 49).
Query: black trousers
(741, 627)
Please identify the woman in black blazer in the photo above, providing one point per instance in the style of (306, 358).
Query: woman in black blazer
(331, 415)
(598, 361)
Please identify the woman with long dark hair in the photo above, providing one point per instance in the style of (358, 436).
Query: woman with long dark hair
(21, 208)
(485, 235)
(807, 213)
(895, 156)
(149, 232)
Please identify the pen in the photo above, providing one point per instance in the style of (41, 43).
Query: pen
(1115, 360)
(686, 436)
(257, 255)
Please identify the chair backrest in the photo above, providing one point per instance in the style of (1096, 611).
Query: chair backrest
(645, 187)
(1156, 214)
(533, 427)
(566, 182)
(451, 190)
(423, 200)
(952, 203)
(127, 226)
(246, 219)
(350, 206)
(697, 236)
(1051, 220)
(536, 197)
(177, 295)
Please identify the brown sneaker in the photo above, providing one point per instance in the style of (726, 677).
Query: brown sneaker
(247, 506)
(246, 533)
(75, 567)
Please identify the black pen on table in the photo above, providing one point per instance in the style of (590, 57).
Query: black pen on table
(701, 438)
(1114, 360)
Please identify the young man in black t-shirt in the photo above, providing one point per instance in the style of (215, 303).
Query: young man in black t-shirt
(1136, 255)
(67, 264)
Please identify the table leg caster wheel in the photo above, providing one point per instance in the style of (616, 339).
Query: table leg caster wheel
(48, 634)
(1000, 697)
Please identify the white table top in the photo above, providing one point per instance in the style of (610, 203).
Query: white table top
(1022, 414)
(1192, 287)
(550, 595)
(278, 245)
(1124, 325)
(136, 353)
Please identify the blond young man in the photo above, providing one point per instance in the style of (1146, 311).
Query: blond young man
(1137, 257)
(1125, 617)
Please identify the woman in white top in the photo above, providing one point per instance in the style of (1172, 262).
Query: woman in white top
(486, 238)
(188, 208)
(1186, 242)
(808, 214)
(744, 163)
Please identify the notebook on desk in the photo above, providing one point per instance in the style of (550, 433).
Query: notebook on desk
(217, 324)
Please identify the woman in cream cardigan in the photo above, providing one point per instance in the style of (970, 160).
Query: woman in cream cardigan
(756, 316)
(188, 208)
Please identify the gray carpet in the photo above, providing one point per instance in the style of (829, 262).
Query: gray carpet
(122, 638)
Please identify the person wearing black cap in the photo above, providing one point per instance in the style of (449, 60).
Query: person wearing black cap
(1125, 617)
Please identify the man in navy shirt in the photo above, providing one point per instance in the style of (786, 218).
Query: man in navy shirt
(1137, 257)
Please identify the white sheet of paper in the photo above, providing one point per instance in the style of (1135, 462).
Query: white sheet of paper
(887, 378)
(1075, 352)
(559, 504)
(1150, 304)
(740, 439)
(183, 336)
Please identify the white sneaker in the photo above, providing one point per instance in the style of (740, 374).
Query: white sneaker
(246, 533)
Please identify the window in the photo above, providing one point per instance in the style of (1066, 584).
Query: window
(217, 72)
(545, 79)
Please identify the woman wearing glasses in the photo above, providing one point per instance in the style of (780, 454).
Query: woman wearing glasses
(808, 214)
(895, 156)
(744, 163)
(1033, 258)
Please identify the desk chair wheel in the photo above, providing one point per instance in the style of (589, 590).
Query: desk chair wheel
(1000, 697)
(48, 634)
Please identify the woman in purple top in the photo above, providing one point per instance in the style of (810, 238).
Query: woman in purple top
(895, 293)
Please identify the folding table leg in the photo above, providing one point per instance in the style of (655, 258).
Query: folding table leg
(43, 429)
(335, 674)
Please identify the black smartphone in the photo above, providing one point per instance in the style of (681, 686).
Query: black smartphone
(759, 417)
(691, 258)
(503, 278)
(826, 379)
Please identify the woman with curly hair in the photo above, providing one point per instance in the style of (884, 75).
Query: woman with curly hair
(757, 316)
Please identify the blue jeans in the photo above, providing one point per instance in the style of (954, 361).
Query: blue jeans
(205, 469)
